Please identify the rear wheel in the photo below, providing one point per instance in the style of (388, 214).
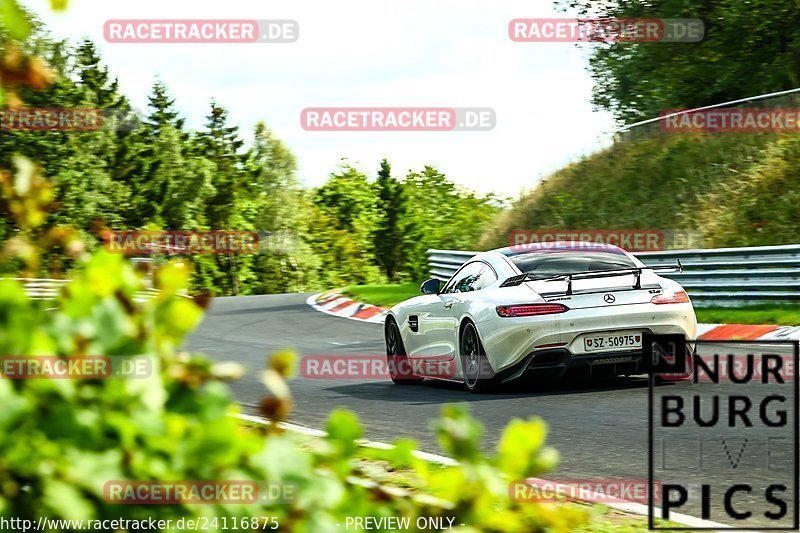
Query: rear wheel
(478, 374)
(399, 368)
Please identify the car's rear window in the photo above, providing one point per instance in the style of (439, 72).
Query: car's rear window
(554, 262)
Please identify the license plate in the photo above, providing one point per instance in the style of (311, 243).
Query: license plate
(612, 341)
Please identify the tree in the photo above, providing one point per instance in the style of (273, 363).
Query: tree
(221, 144)
(162, 110)
(101, 90)
(180, 185)
(64, 442)
(440, 215)
(343, 226)
(389, 235)
(749, 48)
(271, 178)
(286, 261)
(87, 190)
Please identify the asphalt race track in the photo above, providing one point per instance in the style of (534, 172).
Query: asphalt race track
(599, 429)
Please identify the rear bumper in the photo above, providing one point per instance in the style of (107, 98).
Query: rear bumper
(559, 362)
(510, 342)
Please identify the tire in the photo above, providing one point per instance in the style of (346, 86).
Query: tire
(479, 377)
(399, 367)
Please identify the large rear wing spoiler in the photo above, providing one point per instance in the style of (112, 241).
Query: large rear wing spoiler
(636, 272)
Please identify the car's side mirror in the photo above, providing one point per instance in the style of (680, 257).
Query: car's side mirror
(430, 286)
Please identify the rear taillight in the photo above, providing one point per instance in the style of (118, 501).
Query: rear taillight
(677, 298)
(507, 311)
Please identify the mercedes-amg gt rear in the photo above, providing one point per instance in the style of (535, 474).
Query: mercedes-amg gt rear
(536, 312)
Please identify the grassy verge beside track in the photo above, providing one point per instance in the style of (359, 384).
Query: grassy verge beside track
(601, 518)
(388, 295)
(382, 295)
(756, 314)
(735, 190)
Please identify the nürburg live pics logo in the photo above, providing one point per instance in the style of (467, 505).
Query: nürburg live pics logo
(722, 446)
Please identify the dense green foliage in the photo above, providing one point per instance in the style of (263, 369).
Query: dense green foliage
(749, 48)
(734, 189)
(146, 170)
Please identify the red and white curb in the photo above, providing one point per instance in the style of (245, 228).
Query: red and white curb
(747, 332)
(333, 303)
(589, 497)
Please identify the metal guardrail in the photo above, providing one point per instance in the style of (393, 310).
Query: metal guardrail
(715, 276)
(42, 289)
(48, 289)
(646, 128)
(444, 263)
(756, 98)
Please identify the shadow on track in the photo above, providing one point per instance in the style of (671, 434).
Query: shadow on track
(434, 391)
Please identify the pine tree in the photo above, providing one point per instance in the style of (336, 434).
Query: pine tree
(101, 90)
(180, 184)
(393, 204)
(221, 144)
(163, 110)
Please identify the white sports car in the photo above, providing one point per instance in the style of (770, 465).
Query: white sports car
(535, 311)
